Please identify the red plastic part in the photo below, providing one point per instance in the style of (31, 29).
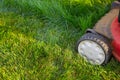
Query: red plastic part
(115, 29)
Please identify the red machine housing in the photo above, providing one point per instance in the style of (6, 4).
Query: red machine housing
(115, 30)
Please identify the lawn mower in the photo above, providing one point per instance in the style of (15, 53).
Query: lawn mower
(100, 44)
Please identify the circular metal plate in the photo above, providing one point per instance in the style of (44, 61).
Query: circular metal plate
(92, 52)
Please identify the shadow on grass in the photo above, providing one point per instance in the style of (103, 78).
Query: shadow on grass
(114, 66)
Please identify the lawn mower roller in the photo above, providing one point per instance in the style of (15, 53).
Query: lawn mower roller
(100, 44)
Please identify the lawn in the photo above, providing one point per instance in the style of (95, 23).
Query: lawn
(37, 40)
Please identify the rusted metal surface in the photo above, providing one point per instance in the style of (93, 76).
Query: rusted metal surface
(103, 25)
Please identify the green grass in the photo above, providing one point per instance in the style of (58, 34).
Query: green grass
(38, 45)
